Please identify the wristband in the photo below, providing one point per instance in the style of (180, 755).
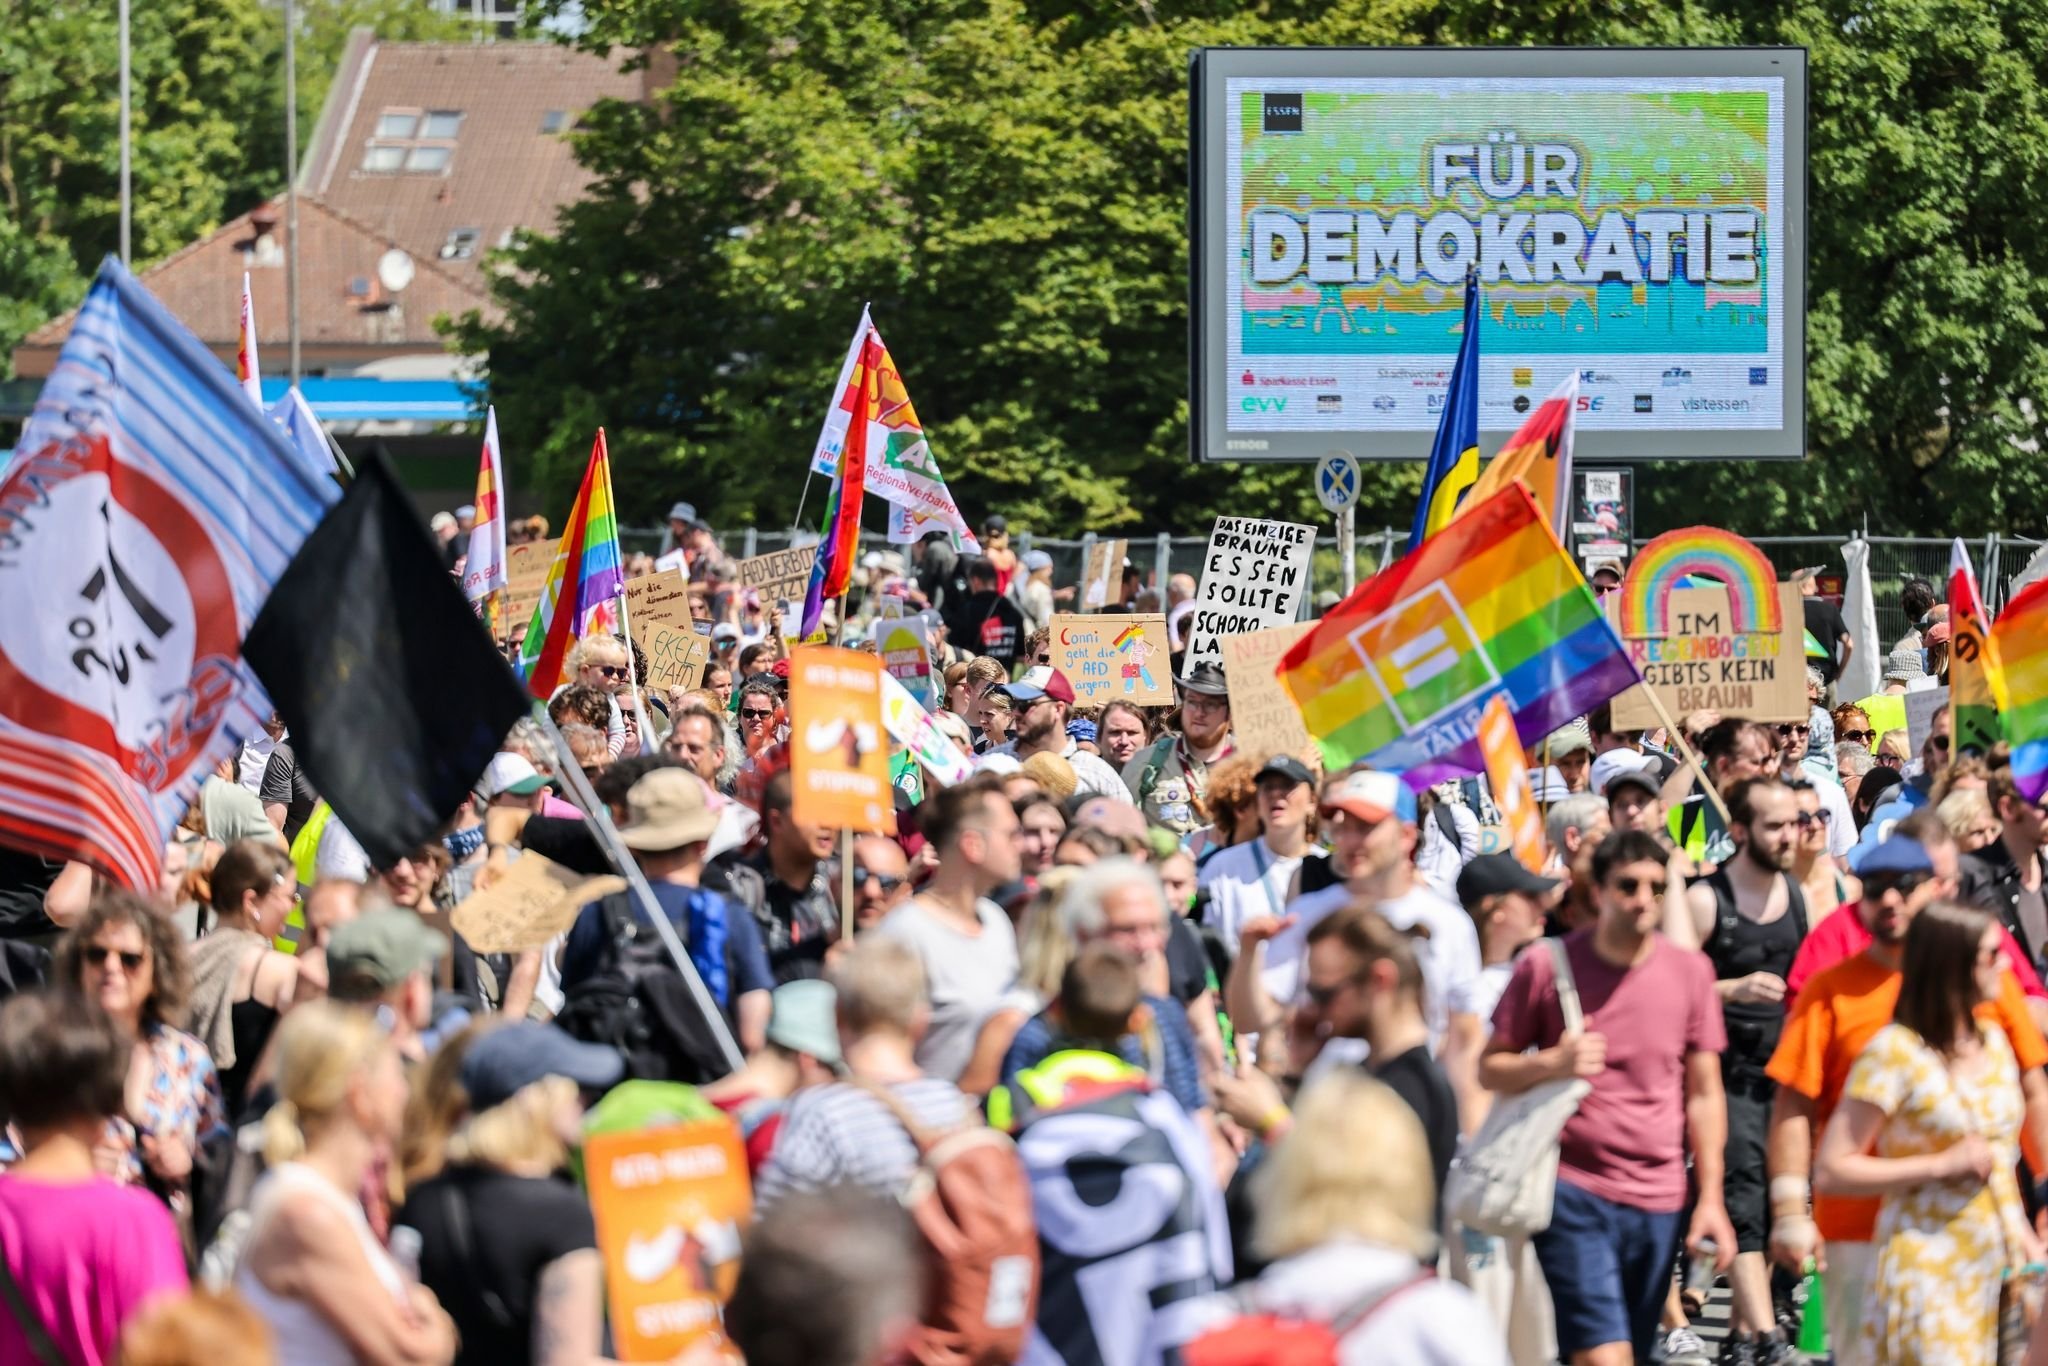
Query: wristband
(1274, 1118)
(1790, 1188)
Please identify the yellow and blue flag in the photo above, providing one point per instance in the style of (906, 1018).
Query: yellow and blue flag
(1454, 459)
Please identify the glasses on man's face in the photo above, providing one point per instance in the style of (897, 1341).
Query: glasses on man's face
(131, 962)
(1322, 998)
(1857, 737)
(1940, 743)
(1905, 884)
(756, 713)
(1794, 728)
(1629, 886)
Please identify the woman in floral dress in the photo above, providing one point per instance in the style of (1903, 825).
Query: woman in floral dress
(1930, 1121)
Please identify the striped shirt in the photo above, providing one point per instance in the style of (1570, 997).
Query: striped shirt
(838, 1134)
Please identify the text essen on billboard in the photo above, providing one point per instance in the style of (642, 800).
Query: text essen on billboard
(1636, 216)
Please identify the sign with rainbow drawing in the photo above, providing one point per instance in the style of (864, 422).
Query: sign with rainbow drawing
(1633, 218)
(1114, 658)
(1707, 622)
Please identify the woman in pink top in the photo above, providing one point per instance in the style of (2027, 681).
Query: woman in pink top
(84, 1253)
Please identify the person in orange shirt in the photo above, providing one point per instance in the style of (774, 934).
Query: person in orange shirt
(1838, 1012)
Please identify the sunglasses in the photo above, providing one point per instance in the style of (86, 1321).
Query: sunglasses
(1629, 886)
(1808, 819)
(612, 670)
(1858, 737)
(1321, 998)
(1795, 728)
(753, 714)
(98, 954)
(1905, 884)
(1940, 742)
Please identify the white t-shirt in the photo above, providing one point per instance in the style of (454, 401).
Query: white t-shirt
(1448, 956)
(1437, 859)
(1245, 881)
(965, 977)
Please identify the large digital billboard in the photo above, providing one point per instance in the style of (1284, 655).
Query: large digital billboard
(1635, 216)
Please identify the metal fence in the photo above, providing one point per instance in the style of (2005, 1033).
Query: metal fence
(1893, 559)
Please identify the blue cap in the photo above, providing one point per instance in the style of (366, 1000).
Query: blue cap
(512, 1057)
(1082, 730)
(1897, 854)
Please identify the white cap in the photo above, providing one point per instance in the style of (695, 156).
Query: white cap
(1615, 762)
(512, 773)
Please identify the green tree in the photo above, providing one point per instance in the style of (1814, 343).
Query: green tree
(1005, 181)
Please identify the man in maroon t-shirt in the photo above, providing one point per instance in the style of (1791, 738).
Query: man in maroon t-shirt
(1650, 1048)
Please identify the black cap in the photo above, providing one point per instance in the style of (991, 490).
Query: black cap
(1644, 779)
(1493, 874)
(1205, 678)
(1286, 766)
(995, 522)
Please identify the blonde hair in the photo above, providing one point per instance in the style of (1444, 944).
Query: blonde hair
(1044, 948)
(437, 1104)
(596, 647)
(321, 1049)
(1053, 773)
(1355, 1165)
(1961, 811)
(518, 1131)
(880, 986)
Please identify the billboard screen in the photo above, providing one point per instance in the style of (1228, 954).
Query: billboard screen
(1636, 216)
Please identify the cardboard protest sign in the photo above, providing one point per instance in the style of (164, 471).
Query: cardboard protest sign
(1736, 647)
(1102, 576)
(1262, 716)
(662, 599)
(911, 727)
(906, 649)
(1254, 576)
(675, 658)
(534, 900)
(526, 574)
(1113, 658)
(777, 577)
(839, 762)
(669, 1205)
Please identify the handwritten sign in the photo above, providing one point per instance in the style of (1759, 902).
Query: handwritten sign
(839, 762)
(675, 659)
(662, 599)
(906, 647)
(526, 573)
(1113, 658)
(533, 901)
(669, 1204)
(780, 576)
(1254, 577)
(1262, 715)
(1707, 662)
(1102, 576)
(910, 725)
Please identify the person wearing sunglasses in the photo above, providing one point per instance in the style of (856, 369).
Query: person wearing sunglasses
(1650, 1049)
(127, 960)
(2005, 876)
(602, 662)
(1802, 759)
(1852, 726)
(760, 699)
(881, 879)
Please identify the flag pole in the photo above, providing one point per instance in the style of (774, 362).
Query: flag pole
(1699, 769)
(600, 818)
(639, 684)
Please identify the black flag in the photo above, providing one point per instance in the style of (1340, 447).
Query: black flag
(393, 693)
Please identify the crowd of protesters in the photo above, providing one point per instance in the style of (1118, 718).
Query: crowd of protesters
(1240, 1016)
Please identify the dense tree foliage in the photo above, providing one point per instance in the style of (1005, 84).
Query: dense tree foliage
(1005, 180)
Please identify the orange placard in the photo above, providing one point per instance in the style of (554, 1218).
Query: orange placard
(1508, 773)
(670, 1204)
(838, 751)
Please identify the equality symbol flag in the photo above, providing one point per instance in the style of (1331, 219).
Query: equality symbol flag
(1400, 672)
(901, 469)
(1972, 661)
(146, 515)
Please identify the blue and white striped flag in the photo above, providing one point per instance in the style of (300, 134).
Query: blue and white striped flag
(147, 512)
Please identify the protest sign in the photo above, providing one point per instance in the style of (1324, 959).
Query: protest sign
(1262, 716)
(1113, 658)
(534, 900)
(911, 727)
(1736, 646)
(669, 1205)
(1921, 708)
(664, 599)
(778, 577)
(526, 573)
(675, 658)
(1508, 773)
(1254, 576)
(906, 649)
(839, 763)
(1102, 576)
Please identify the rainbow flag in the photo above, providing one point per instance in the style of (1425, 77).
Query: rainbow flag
(583, 582)
(245, 352)
(1454, 459)
(1400, 672)
(832, 571)
(1540, 455)
(2020, 684)
(1972, 661)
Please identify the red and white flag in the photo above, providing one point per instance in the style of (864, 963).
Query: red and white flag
(483, 571)
(245, 352)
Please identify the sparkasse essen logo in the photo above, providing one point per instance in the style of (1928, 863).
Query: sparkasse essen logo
(1282, 114)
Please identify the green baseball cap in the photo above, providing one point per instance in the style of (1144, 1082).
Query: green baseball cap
(387, 946)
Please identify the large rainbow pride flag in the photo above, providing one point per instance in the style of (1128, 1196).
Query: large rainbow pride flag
(1400, 672)
(2020, 685)
(586, 577)
(832, 570)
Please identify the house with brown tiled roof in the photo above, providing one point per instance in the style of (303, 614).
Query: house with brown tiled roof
(426, 157)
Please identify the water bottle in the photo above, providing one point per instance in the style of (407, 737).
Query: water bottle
(1699, 1271)
(1813, 1316)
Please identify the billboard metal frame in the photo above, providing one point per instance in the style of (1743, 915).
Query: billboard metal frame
(1209, 70)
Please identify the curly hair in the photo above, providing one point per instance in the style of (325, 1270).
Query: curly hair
(170, 975)
(582, 703)
(1231, 801)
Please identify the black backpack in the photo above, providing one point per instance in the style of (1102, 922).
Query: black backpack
(638, 1003)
